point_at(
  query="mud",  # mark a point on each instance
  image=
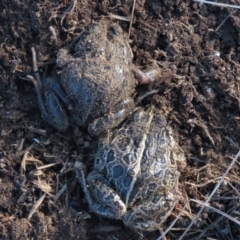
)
(197, 48)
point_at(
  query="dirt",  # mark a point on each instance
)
(197, 46)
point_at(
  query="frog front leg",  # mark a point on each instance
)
(120, 111)
(101, 198)
(117, 114)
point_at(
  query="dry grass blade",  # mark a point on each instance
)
(28, 157)
(217, 4)
(131, 20)
(44, 186)
(54, 35)
(36, 206)
(4, 133)
(206, 183)
(35, 68)
(217, 211)
(22, 197)
(31, 128)
(23, 163)
(60, 192)
(213, 192)
(121, 18)
(232, 142)
(47, 166)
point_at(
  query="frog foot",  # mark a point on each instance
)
(102, 199)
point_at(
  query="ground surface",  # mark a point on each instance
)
(199, 45)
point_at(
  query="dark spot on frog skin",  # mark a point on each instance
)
(117, 171)
(124, 143)
(110, 156)
(127, 181)
(151, 188)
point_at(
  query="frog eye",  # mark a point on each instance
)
(110, 156)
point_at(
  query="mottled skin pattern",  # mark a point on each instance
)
(96, 80)
(136, 172)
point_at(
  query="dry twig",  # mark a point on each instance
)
(217, 4)
(205, 183)
(60, 192)
(36, 206)
(121, 18)
(131, 19)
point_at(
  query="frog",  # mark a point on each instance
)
(95, 81)
(136, 172)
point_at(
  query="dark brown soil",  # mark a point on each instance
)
(198, 45)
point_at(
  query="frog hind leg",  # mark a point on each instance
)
(48, 99)
(56, 102)
(48, 94)
(102, 199)
(151, 213)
